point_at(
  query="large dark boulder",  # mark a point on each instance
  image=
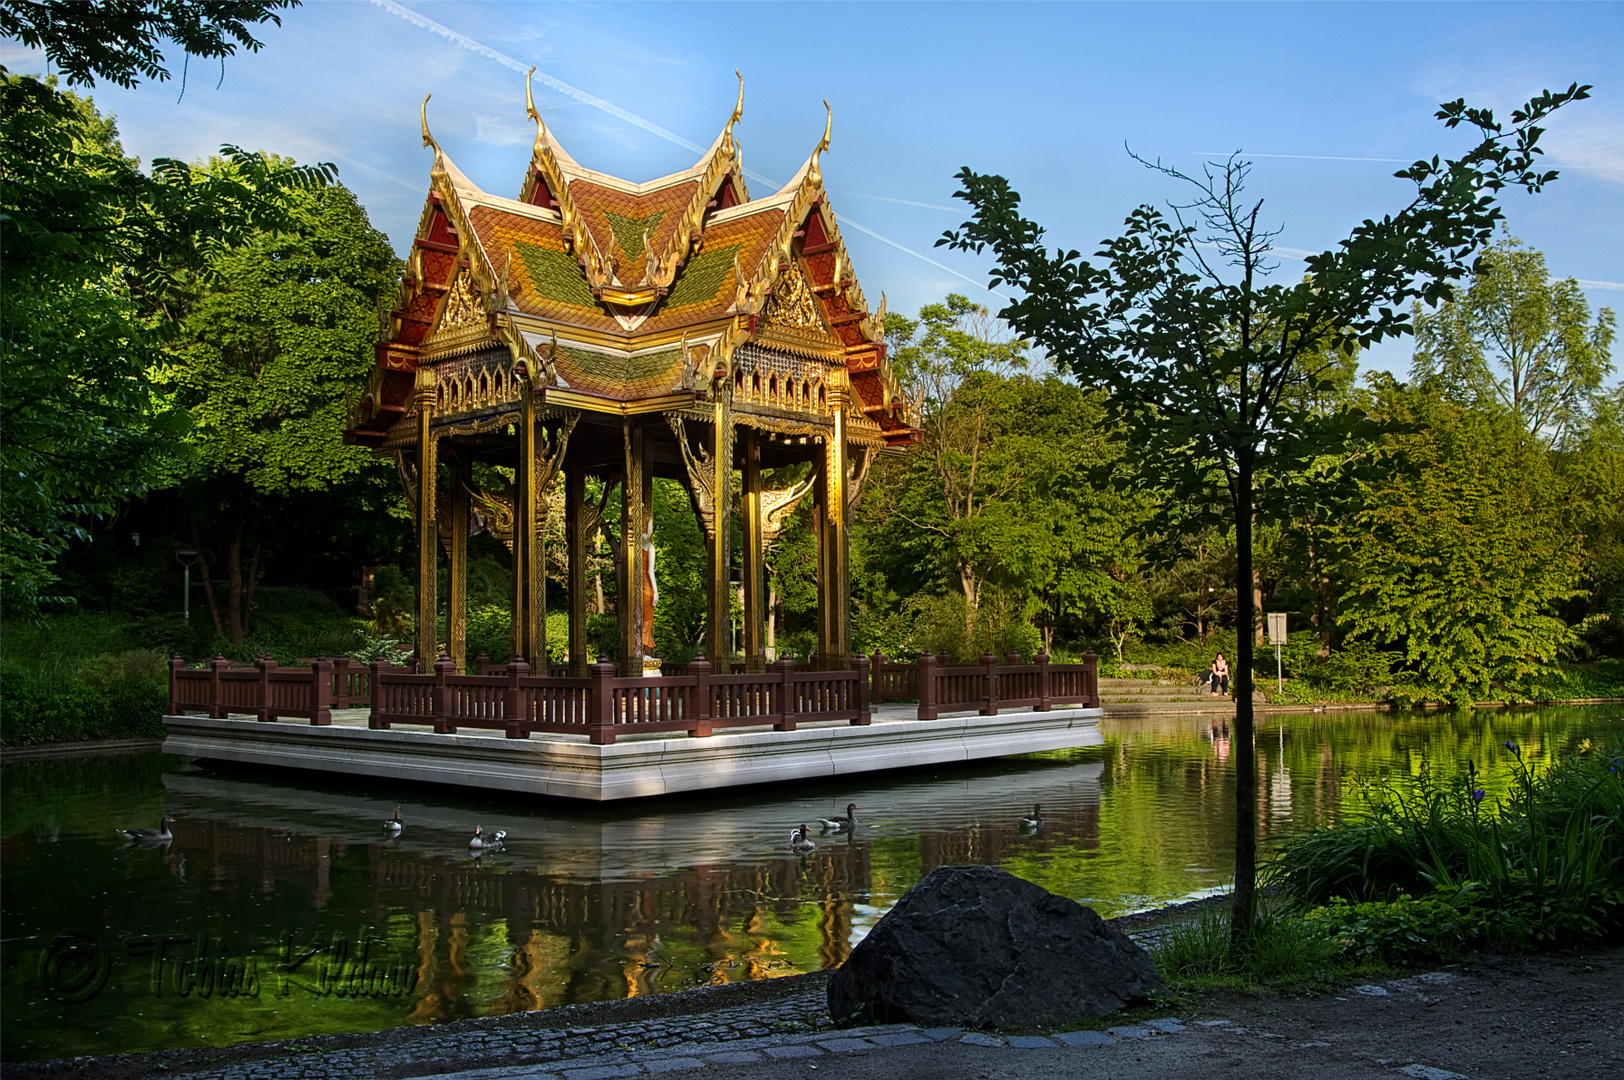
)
(971, 946)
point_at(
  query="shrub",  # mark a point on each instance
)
(1282, 947)
(1404, 931)
(948, 630)
(1546, 862)
(1195, 947)
(49, 703)
(490, 631)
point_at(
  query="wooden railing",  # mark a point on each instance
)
(604, 706)
(990, 686)
(264, 690)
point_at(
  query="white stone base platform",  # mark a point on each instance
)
(634, 766)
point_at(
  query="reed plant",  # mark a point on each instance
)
(1281, 948)
(1546, 861)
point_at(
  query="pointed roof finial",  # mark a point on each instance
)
(529, 101)
(738, 110)
(428, 140)
(828, 126)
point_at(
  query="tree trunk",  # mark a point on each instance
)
(1257, 608)
(1243, 750)
(248, 587)
(234, 577)
(208, 585)
(972, 600)
(1322, 595)
(772, 619)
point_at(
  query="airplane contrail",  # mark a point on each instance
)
(1305, 157)
(507, 61)
(481, 49)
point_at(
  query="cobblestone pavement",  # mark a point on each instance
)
(1492, 1018)
(795, 1029)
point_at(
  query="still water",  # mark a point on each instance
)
(279, 909)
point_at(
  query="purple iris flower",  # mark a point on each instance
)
(1477, 795)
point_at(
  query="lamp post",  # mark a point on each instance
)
(186, 557)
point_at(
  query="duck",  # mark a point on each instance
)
(392, 825)
(799, 841)
(1035, 822)
(840, 824)
(482, 842)
(160, 835)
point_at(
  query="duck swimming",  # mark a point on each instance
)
(482, 842)
(160, 835)
(841, 824)
(1035, 822)
(392, 825)
(799, 841)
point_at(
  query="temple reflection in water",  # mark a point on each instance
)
(585, 908)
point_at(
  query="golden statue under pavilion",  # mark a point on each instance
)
(594, 327)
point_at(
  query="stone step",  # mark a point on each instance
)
(1215, 705)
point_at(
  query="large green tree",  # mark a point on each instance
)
(121, 40)
(1461, 552)
(1517, 340)
(1198, 346)
(955, 360)
(1003, 498)
(93, 251)
(277, 331)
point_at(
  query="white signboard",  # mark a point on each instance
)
(1277, 628)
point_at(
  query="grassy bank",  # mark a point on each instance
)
(1424, 872)
(95, 675)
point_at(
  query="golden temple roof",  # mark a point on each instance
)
(605, 286)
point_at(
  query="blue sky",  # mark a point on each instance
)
(1328, 99)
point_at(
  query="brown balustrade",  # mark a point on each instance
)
(894, 681)
(264, 691)
(990, 686)
(606, 705)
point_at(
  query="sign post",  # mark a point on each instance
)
(1277, 638)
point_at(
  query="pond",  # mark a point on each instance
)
(280, 909)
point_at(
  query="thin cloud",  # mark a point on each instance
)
(1308, 157)
(902, 202)
(844, 220)
(507, 61)
(391, 177)
(1301, 254)
(463, 41)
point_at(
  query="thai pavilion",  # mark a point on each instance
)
(676, 328)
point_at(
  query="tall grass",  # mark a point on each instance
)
(1546, 861)
(1280, 948)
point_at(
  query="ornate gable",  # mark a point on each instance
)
(607, 290)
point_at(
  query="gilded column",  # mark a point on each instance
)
(428, 528)
(456, 611)
(720, 648)
(755, 657)
(526, 571)
(575, 526)
(840, 547)
(820, 536)
(633, 512)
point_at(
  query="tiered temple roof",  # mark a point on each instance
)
(631, 298)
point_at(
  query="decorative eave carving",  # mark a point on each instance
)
(722, 160)
(751, 296)
(544, 161)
